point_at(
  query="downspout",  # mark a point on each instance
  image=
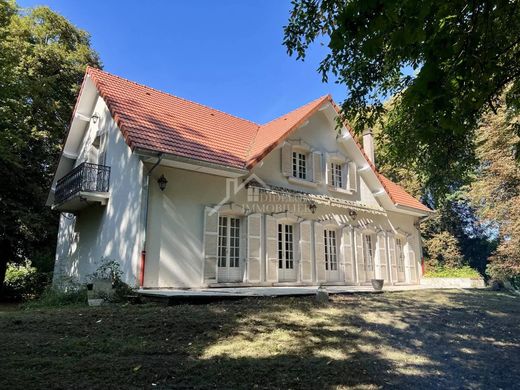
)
(146, 191)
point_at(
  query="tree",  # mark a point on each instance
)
(42, 62)
(496, 190)
(445, 63)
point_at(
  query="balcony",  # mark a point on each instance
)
(86, 184)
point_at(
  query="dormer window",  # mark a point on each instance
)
(299, 161)
(337, 171)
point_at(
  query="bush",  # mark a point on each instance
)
(446, 272)
(53, 297)
(22, 282)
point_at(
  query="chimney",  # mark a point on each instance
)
(368, 145)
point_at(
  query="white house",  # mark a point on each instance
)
(183, 195)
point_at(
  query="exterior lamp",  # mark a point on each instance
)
(162, 182)
(352, 214)
(312, 207)
(95, 118)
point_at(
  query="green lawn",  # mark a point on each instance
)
(422, 339)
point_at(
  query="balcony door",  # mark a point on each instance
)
(331, 255)
(229, 264)
(286, 263)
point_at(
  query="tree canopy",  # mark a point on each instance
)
(446, 63)
(42, 62)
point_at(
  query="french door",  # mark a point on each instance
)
(368, 254)
(400, 260)
(286, 263)
(331, 256)
(229, 269)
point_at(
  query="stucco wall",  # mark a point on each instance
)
(110, 231)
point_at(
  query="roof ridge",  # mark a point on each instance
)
(170, 94)
(297, 108)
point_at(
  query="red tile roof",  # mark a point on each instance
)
(399, 196)
(156, 121)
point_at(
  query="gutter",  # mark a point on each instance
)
(146, 191)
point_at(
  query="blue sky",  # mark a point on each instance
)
(227, 54)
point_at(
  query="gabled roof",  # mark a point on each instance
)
(156, 121)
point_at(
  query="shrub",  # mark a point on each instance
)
(443, 250)
(52, 297)
(23, 281)
(446, 272)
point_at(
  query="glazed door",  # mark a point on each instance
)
(331, 255)
(286, 263)
(229, 269)
(399, 248)
(369, 252)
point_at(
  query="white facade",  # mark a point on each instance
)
(256, 236)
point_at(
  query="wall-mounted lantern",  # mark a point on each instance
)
(352, 214)
(95, 118)
(312, 207)
(162, 182)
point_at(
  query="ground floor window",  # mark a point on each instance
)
(285, 246)
(368, 251)
(331, 252)
(400, 254)
(229, 242)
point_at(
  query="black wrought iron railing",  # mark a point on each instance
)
(86, 177)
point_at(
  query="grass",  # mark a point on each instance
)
(428, 338)
(462, 272)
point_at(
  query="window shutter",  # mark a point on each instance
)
(317, 173)
(360, 261)
(210, 244)
(393, 257)
(346, 252)
(410, 264)
(287, 159)
(381, 267)
(306, 251)
(319, 252)
(328, 172)
(254, 245)
(352, 176)
(271, 231)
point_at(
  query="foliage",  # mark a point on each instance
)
(442, 249)
(42, 62)
(111, 270)
(447, 272)
(53, 297)
(22, 281)
(496, 190)
(445, 63)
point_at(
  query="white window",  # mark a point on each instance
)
(331, 251)
(299, 165)
(229, 242)
(285, 246)
(369, 252)
(336, 170)
(400, 255)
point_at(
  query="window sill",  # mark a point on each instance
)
(302, 182)
(340, 190)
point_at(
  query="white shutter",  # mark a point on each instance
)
(319, 252)
(352, 176)
(381, 267)
(254, 247)
(410, 264)
(328, 170)
(360, 267)
(347, 254)
(210, 244)
(287, 159)
(306, 251)
(317, 172)
(271, 232)
(393, 258)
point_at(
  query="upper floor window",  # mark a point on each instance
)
(299, 165)
(336, 170)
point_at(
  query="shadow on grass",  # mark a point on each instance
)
(406, 340)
